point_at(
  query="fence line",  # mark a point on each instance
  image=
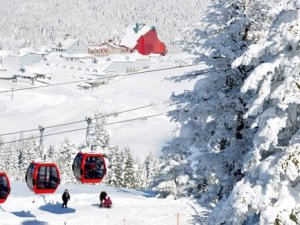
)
(175, 219)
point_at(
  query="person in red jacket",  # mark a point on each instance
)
(107, 202)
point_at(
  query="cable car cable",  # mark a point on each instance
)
(78, 129)
(80, 121)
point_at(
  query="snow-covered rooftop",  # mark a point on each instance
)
(133, 33)
(82, 55)
(105, 45)
(25, 51)
(4, 53)
(66, 43)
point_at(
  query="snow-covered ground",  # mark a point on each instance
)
(67, 103)
(130, 207)
(62, 104)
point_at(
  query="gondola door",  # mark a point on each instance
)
(42, 178)
(4, 187)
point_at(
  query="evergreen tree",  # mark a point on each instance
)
(98, 135)
(140, 175)
(271, 167)
(50, 152)
(11, 162)
(23, 161)
(32, 148)
(237, 145)
(128, 174)
(64, 158)
(151, 169)
(2, 156)
(210, 114)
(115, 169)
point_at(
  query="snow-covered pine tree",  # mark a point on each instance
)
(23, 161)
(175, 173)
(98, 135)
(64, 158)
(50, 152)
(128, 173)
(210, 146)
(12, 161)
(151, 169)
(139, 175)
(269, 192)
(1, 156)
(115, 168)
(32, 148)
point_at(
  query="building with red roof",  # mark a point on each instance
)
(144, 39)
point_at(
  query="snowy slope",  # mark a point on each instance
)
(68, 103)
(129, 207)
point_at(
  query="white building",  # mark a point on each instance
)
(77, 57)
(24, 57)
(11, 61)
(108, 48)
(127, 66)
(4, 54)
(70, 46)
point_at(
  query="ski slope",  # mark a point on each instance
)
(130, 207)
(67, 103)
(61, 104)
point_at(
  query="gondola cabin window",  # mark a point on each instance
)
(77, 166)
(47, 177)
(29, 176)
(4, 187)
(89, 167)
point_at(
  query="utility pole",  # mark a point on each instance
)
(42, 129)
(89, 122)
(12, 93)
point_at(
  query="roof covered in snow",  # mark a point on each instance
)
(133, 33)
(4, 53)
(66, 43)
(79, 55)
(106, 45)
(25, 51)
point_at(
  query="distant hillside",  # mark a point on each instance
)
(39, 22)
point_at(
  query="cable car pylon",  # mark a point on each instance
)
(42, 177)
(89, 166)
(89, 122)
(41, 145)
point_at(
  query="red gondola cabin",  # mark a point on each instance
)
(42, 177)
(89, 167)
(4, 187)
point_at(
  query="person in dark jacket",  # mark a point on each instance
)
(102, 196)
(65, 198)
